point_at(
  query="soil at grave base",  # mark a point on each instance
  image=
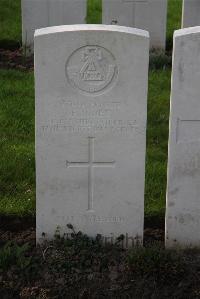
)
(14, 59)
(18, 229)
(22, 230)
(89, 272)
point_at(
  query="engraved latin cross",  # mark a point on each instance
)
(90, 164)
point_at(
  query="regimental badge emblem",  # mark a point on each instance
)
(91, 69)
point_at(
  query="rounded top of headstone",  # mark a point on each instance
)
(186, 31)
(85, 27)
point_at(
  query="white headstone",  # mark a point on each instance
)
(183, 192)
(191, 13)
(45, 13)
(149, 15)
(91, 102)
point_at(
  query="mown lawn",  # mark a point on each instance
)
(157, 141)
(173, 20)
(17, 170)
(17, 175)
(10, 20)
(10, 23)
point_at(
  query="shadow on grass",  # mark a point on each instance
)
(18, 223)
(10, 44)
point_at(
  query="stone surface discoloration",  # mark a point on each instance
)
(183, 191)
(150, 15)
(190, 13)
(91, 133)
(45, 13)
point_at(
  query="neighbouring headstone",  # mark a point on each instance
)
(45, 13)
(91, 102)
(150, 15)
(191, 13)
(183, 191)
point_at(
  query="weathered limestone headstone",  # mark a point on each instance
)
(183, 192)
(45, 13)
(91, 101)
(191, 13)
(150, 15)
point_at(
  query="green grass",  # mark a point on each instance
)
(17, 170)
(17, 176)
(157, 141)
(10, 23)
(94, 12)
(173, 20)
(10, 20)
